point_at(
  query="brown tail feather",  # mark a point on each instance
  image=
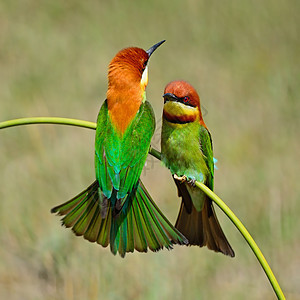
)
(202, 228)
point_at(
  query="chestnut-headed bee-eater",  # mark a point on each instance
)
(186, 149)
(116, 209)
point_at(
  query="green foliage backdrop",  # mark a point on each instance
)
(243, 58)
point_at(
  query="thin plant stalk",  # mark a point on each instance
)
(234, 219)
(242, 229)
(47, 120)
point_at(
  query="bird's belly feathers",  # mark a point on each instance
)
(181, 151)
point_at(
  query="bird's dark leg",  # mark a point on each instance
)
(182, 179)
(192, 182)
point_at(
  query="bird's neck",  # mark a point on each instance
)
(178, 113)
(123, 105)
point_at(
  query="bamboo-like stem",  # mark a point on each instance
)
(238, 224)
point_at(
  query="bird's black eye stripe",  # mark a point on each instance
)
(145, 64)
(185, 100)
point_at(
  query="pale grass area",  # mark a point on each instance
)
(242, 57)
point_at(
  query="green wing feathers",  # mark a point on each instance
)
(119, 159)
(116, 209)
(207, 150)
(140, 225)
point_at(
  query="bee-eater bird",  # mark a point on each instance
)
(186, 149)
(116, 209)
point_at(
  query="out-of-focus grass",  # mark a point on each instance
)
(243, 58)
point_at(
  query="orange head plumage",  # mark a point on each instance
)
(127, 81)
(182, 103)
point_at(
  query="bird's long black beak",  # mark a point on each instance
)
(170, 97)
(154, 47)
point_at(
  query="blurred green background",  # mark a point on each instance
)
(242, 57)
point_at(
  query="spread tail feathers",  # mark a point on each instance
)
(202, 228)
(139, 224)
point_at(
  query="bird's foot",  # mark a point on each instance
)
(182, 179)
(192, 182)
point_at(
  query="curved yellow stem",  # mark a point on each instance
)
(242, 229)
(203, 187)
(47, 120)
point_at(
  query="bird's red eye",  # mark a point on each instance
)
(186, 99)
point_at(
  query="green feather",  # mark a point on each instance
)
(207, 150)
(140, 225)
(187, 150)
(116, 209)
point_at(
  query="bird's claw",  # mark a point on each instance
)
(180, 178)
(192, 182)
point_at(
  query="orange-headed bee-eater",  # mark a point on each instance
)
(186, 149)
(116, 209)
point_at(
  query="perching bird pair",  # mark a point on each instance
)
(116, 209)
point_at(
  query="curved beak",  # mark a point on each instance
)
(170, 97)
(154, 47)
